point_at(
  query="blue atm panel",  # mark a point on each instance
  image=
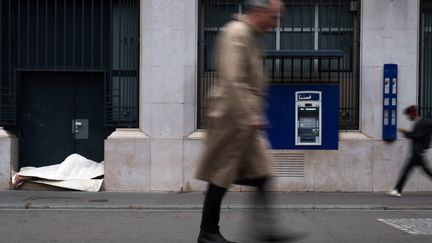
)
(390, 102)
(289, 113)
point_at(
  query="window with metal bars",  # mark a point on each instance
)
(72, 35)
(425, 85)
(305, 25)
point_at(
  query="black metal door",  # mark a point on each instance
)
(62, 113)
(72, 35)
(89, 104)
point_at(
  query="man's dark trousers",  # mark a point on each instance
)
(415, 160)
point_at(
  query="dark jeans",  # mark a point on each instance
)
(213, 200)
(415, 160)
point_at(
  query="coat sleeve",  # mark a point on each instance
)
(234, 67)
(420, 131)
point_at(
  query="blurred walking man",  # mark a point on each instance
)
(236, 149)
(420, 140)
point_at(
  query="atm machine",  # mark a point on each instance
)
(303, 99)
(308, 118)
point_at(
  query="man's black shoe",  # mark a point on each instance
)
(205, 237)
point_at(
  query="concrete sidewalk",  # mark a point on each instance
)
(193, 200)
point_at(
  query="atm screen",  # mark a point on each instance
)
(307, 122)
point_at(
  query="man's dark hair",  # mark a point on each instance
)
(410, 109)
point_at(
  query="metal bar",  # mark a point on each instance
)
(424, 83)
(339, 21)
(328, 23)
(126, 39)
(55, 34)
(301, 31)
(282, 69)
(137, 31)
(301, 69)
(131, 55)
(292, 27)
(310, 68)
(292, 69)
(3, 115)
(120, 64)
(1, 59)
(422, 56)
(133, 52)
(28, 33)
(273, 68)
(425, 75)
(82, 33)
(200, 61)
(91, 34)
(429, 55)
(19, 35)
(9, 46)
(357, 74)
(316, 27)
(338, 69)
(128, 53)
(64, 33)
(346, 86)
(429, 58)
(37, 33)
(46, 34)
(104, 84)
(102, 40)
(278, 34)
(73, 32)
(343, 98)
(109, 85)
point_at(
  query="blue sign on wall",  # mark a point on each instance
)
(282, 116)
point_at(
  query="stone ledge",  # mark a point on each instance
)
(128, 133)
(199, 134)
(353, 136)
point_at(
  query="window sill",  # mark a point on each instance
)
(199, 134)
(128, 133)
(353, 136)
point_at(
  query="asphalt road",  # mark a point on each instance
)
(182, 226)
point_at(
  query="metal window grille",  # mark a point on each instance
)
(303, 66)
(72, 35)
(425, 86)
(305, 25)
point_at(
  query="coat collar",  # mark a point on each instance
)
(244, 19)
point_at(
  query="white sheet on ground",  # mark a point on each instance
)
(74, 166)
(75, 172)
(90, 185)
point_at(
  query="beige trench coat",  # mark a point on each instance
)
(234, 150)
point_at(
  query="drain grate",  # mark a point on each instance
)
(288, 164)
(411, 226)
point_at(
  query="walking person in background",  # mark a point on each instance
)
(420, 139)
(236, 148)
